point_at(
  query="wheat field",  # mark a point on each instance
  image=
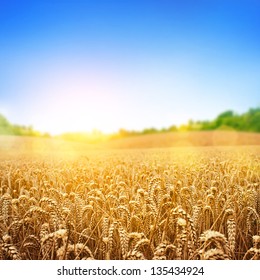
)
(182, 203)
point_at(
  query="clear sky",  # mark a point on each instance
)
(106, 64)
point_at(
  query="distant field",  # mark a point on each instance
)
(180, 139)
(68, 200)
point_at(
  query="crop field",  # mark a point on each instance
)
(192, 203)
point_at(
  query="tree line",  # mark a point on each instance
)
(6, 128)
(228, 120)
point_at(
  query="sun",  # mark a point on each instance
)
(77, 101)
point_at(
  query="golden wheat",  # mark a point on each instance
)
(132, 205)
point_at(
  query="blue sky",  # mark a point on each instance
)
(80, 65)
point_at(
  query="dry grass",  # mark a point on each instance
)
(183, 203)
